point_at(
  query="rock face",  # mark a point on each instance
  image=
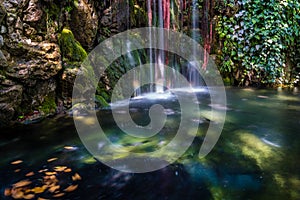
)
(43, 42)
(84, 23)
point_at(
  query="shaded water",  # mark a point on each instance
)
(257, 156)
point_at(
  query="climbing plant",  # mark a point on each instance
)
(259, 39)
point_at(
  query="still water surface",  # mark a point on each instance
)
(256, 157)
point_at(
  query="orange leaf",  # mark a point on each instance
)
(76, 177)
(7, 192)
(71, 188)
(30, 174)
(22, 183)
(68, 170)
(38, 190)
(53, 188)
(59, 195)
(28, 196)
(16, 162)
(60, 168)
(51, 159)
(50, 173)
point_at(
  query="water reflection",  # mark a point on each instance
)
(257, 156)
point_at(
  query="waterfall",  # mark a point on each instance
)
(161, 14)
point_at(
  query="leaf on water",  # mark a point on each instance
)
(17, 194)
(70, 148)
(76, 177)
(51, 159)
(54, 188)
(39, 190)
(43, 170)
(22, 183)
(7, 192)
(29, 196)
(68, 170)
(29, 174)
(40, 198)
(50, 173)
(71, 188)
(59, 195)
(17, 170)
(60, 168)
(16, 162)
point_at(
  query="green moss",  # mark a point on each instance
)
(71, 49)
(49, 105)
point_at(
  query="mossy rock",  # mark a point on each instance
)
(71, 49)
(48, 106)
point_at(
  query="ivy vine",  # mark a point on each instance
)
(259, 40)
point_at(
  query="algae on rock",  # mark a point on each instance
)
(71, 49)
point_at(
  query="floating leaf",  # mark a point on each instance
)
(50, 173)
(40, 198)
(29, 174)
(28, 196)
(39, 190)
(68, 170)
(60, 168)
(7, 192)
(17, 194)
(71, 188)
(59, 195)
(51, 159)
(54, 188)
(22, 183)
(16, 162)
(43, 170)
(70, 148)
(76, 177)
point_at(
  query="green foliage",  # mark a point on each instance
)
(258, 38)
(71, 49)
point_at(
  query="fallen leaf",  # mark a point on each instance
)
(59, 195)
(68, 170)
(43, 170)
(38, 190)
(50, 173)
(30, 174)
(51, 159)
(16, 162)
(17, 194)
(7, 192)
(71, 188)
(40, 198)
(53, 188)
(60, 168)
(76, 177)
(28, 196)
(70, 148)
(22, 183)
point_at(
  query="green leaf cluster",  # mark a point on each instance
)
(258, 39)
